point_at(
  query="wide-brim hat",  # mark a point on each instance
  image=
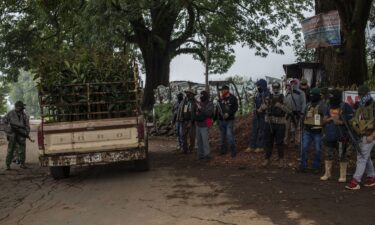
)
(190, 91)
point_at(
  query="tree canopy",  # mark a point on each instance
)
(156, 30)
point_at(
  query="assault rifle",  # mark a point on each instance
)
(21, 131)
(354, 140)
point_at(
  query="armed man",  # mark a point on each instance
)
(336, 133)
(256, 137)
(364, 126)
(312, 130)
(296, 100)
(228, 106)
(17, 130)
(186, 117)
(175, 108)
(276, 111)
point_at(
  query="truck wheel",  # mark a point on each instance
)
(59, 172)
(142, 165)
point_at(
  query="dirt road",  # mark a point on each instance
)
(178, 190)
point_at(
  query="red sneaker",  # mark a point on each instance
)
(353, 185)
(370, 181)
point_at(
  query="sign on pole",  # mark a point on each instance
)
(322, 30)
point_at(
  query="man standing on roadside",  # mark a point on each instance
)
(17, 130)
(187, 117)
(203, 119)
(363, 124)
(175, 108)
(228, 107)
(257, 130)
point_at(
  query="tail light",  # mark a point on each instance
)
(40, 138)
(141, 131)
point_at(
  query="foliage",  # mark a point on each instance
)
(302, 54)
(4, 90)
(25, 90)
(163, 113)
(159, 29)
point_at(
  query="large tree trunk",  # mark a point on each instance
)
(347, 64)
(157, 64)
(329, 56)
(355, 62)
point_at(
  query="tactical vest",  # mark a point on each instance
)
(186, 112)
(313, 117)
(363, 120)
(272, 100)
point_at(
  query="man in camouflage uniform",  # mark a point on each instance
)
(17, 130)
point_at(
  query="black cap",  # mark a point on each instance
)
(363, 89)
(225, 87)
(19, 104)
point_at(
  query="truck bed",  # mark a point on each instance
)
(90, 136)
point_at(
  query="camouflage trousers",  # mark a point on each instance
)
(188, 134)
(15, 147)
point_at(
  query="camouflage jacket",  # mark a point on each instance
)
(18, 119)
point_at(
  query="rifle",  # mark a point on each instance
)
(21, 131)
(218, 107)
(354, 140)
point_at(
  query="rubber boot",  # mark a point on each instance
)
(328, 169)
(343, 167)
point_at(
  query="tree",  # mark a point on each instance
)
(159, 29)
(25, 90)
(4, 90)
(347, 64)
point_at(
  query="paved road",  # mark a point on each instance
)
(115, 195)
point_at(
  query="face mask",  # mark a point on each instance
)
(203, 98)
(276, 91)
(335, 102)
(260, 90)
(180, 98)
(315, 98)
(365, 99)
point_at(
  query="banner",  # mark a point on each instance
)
(322, 30)
(351, 97)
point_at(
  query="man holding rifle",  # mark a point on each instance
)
(17, 130)
(364, 126)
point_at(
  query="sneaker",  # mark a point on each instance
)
(266, 162)
(22, 166)
(353, 185)
(249, 149)
(281, 163)
(301, 170)
(257, 150)
(370, 181)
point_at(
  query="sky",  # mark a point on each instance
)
(184, 67)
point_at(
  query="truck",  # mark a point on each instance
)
(92, 123)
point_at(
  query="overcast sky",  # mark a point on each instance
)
(247, 64)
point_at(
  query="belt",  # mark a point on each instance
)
(275, 120)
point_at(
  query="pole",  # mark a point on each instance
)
(206, 65)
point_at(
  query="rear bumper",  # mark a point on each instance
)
(93, 158)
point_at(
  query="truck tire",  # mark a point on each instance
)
(143, 164)
(59, 172)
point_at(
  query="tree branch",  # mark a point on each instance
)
(195, 51)
(188, 31)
